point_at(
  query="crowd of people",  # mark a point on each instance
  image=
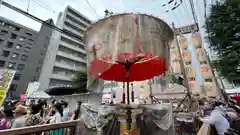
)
(18, 114)
(220, 115)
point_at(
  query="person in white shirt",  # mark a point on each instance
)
(65, 111)
(57, 117)
(218, 119)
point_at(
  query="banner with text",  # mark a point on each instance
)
(32, 88)
(6, 77)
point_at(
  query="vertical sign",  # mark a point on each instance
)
(6, 77)
(32, 88)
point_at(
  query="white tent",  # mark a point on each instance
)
(39, 94)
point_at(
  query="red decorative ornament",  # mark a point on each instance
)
(123, 94)
(132, 93)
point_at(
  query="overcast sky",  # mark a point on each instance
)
(45, 9)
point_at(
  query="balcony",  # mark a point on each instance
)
(75, 24)
(72, 47)
(75, 17)
(77, 41)
(2, 34)
(63, 77)
(73, 31)
(67, 66)
(70, 56)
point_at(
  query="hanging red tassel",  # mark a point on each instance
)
(132, 93)
(123, 94)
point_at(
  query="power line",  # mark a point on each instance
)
(65, 32)
(92, 8)
(44, 6)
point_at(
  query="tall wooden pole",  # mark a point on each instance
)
(185, 79)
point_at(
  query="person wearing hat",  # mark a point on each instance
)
(20, 116)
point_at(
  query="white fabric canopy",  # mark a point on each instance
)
(39, 94)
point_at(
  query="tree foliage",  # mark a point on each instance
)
(223, 28)
(80, 81)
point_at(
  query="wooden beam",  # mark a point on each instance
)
(205, 129)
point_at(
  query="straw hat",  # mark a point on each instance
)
(20, 109)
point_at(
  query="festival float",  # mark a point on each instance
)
(127, 48)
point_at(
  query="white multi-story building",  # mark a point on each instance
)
(65, 55)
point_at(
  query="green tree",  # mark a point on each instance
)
(223, 28)
(80, 81)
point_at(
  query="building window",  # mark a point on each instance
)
(20, 67)
(13, 87)
(9, 45)
(17, 77)
(192, 79)
(11, 65)
(17, 28)
(45, 45)
(42, 52)
(4, 32)
(24, 58)
(29, 44)
(46, 37)
(208, 80)
(30, 39)
(188, 63)
(18, 47)
(27, 49)
(37, 69)
(29, 34)
(176, 60)
(203, 62)
(33, 79)
(5, 53)
(1, 41)
(1, 23)
(15, 55)
(2, 63)
(22, 38)
(13, 36)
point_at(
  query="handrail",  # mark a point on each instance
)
(205, 129)
(39, 128)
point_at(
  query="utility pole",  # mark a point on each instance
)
(185, 79)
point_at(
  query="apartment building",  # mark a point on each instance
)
(22, 49)
(66, 54)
